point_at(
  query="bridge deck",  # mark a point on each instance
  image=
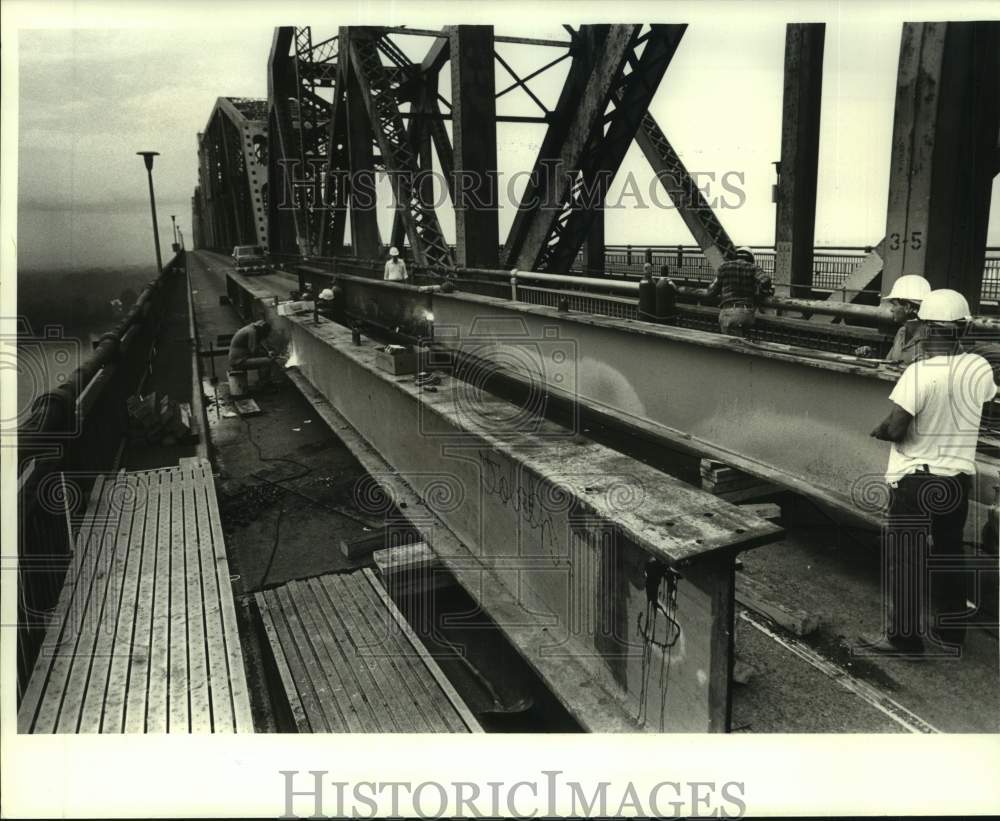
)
(348, 661)
(144, 636)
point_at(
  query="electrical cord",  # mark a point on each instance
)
(304, 471)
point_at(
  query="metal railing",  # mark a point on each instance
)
(70, 435)
(831, 265)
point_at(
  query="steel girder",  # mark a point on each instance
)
(630, 97)
(299, 117)
(710, 394)
(685, 193)
(380, 90)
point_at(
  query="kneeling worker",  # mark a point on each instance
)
(740, 284)
(246, 351)
(937, 408)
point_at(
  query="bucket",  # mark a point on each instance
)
(237, 382)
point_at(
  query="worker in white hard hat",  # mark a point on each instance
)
(740, 284)
(903, 301)
(933, 431)
(395, 268)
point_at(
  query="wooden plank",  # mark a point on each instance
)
(760, 597)
(405, 559)
(354, 706)
(284, 673)
(93, 646)
(72, 585)
(134, 718)
(419, 694)
(178, 720)
(353, 644)
(106, 690)
(237, 674)
(380, 540)
(415, 681)
(424, 689)
(288, 627)
(358, 678)
(459, 705)
(374, 644)
(157, 710)
(321, 662)
(223, 720)
(200, 699)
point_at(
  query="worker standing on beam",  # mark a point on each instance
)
(740, 285)
(904, 301)
(934, 430)
(395, 268)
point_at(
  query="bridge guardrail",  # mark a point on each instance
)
(72, 433)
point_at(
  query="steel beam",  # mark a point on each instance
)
(714, 395)
(684, 192)
(365, 238)
(795, 223)
(378, 90)
(550, 534)
(944, 133)
(536, 191)
(606, 149)
(473, 84)
(285, 225)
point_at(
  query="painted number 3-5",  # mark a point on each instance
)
(915, 243)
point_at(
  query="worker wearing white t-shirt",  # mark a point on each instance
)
(395, 268)
(934, 429)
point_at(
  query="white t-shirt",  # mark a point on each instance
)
(945, 396)
(395, 269)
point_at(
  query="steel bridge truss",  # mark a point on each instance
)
(232, 173)
(345, 109)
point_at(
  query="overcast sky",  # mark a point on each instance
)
(90, 98)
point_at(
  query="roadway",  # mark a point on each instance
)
(796, 684)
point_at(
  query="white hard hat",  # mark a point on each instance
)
(944, 305)
(744, 250)
(911, 287)
(326, 293)
(394, 251)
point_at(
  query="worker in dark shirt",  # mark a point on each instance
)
(740, 284)
(666, 297)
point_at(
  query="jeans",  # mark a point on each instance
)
(926, 517)
(736, 319)
(244, 362)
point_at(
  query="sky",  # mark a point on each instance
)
(89, 98)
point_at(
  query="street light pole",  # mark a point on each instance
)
(147, 157)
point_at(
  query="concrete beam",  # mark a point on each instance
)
(800, 122)
(944, 136)
(473, 84)
(549, 532)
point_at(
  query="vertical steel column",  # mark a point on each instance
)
(360, 140)
(473, 84)
(943, 149)
(795, 223)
